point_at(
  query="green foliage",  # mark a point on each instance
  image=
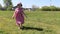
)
(50, 8)
(0, 6)
(57, 9)
(53, 8)
(9, 8)
(45, 8)
(8, 4)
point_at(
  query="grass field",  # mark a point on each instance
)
(49, 21)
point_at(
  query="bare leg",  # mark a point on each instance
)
(19, 25)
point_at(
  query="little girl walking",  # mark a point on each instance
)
(19, 15)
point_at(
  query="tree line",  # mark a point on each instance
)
(8, 6)
(50, 8)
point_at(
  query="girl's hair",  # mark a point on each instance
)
(20, 4)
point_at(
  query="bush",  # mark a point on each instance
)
(45, 8)
(57, 9)
(50, 8)
(9, 7)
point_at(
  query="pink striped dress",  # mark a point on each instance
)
(19, 16)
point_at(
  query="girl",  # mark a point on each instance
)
(19, 15)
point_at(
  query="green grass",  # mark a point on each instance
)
(49, 21)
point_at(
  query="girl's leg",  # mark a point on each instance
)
(20, 25)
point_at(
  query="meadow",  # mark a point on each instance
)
(37, 22)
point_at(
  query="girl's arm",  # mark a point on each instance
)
(24, 14)
(13, 15)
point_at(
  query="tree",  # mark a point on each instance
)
(45, 8)
(8, 4)
(50, 8)
(0, 6)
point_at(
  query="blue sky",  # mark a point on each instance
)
(29, 3)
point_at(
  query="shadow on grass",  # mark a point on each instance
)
(32, 28)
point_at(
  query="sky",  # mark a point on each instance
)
(29, 3)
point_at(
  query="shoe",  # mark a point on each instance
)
(22, 27)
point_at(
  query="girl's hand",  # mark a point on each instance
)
(26, 16)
